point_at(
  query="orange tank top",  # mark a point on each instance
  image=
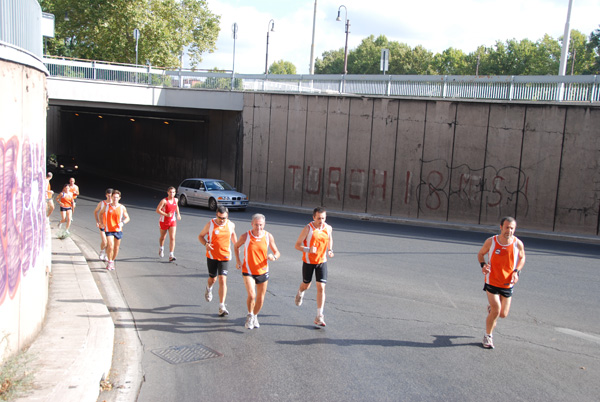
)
(220, 238)
(318, 238)
(66, 200)
(113, 216)
(503, 260)
(255, 254)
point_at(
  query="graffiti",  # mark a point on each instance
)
(433, 191)
(505, 185)
(22, 211)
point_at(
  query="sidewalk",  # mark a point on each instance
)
(73, 352)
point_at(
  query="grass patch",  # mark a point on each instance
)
(15, 377)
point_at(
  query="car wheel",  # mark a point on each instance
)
(212, 204)
(183, 201)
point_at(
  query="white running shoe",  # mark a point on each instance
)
(208, 294)
(110, 266)
(319, 321)
(161, 252)
(488, 342)
(256, 324)
(172, 258)
(299, 298)
(223, 311)
(249, 321)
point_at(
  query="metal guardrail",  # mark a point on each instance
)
(578, 88)
(21, 25)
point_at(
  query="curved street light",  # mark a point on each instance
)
(347, 32)
(270, 28)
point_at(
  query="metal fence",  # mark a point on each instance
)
(579, 88)
(21, 25)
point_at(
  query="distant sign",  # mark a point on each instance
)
(136, 34)
(385, 60)
(48, 25)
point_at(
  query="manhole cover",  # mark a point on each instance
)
(186, 354)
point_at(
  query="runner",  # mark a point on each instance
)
(74, 189)
(112, 220)
(49, 194)
(97, 213)
(65, 201)
(255, 266)
(168, 209)
(316, 243)
(506, 258)
(217, 236)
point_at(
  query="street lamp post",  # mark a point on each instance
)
(270, 28)
(312, 46)
(234, 30)
(136, 36)
(347, 32)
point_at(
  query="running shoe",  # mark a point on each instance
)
(208, 294)
(250, 321)
(172, 258)
(110, 266)
(319, 321)
(256, 324)
(102, 256)
(299, 297)
(488, 342)
(223, 311)
(161, 252)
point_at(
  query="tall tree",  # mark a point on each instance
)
(282, 67)
(103, 30)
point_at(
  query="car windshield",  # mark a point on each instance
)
(65, 160)
(217, 186)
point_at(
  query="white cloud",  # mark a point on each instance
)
(434, 24)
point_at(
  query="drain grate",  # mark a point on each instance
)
(186, 354)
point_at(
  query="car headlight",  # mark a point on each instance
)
(62, 166)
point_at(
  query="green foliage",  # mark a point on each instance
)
(511, 57)
(103, 30)
(282, 67)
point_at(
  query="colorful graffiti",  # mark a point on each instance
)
(22, 211)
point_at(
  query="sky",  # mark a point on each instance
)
(434, 24)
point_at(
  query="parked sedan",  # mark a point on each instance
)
(210, 193)
(62, 164)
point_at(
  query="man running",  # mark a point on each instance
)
(316, 243)
(255, 266)
(168, 209)
(49, 194)
(112, 220)
(74, 189)
(506, 257)
(65, 201)
(97, 213)
(217, 236)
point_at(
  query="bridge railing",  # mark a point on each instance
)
(578, 88)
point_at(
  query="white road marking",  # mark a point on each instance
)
(578, 334)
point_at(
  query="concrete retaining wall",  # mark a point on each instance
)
(24, 238)
(470, 162)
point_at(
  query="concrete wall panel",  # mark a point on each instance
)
(383, 152)
(335, 153)
(503, 174)
(215, 143)
(277, 148)
(260, 147)
(542, 148)
(409, 152)
(357, 164)
(247, 133)
(578, 199)
(316, 129)
(468, 162)
(230, 147)
(294, 153)
(437, 156)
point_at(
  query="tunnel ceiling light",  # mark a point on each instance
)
(166, 122)
(100, 117)
(77, 114)
(132, 119)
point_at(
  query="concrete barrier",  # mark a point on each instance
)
(470, 162)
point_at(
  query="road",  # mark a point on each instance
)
(405, 315)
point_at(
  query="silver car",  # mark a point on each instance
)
(210, 193)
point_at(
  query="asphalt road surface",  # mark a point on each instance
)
(405, 314)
